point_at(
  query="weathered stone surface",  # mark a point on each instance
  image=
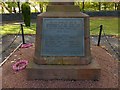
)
(64, 72)
(61, 3)
(53, 65)
(62, 60)
(62, 8)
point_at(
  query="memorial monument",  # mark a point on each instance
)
(62, 46)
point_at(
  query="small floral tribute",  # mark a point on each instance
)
(20, 65)
(27, 45)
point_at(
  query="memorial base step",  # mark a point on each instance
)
(63, 72)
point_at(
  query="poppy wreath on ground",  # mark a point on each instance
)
(20, 65)
(26, 45)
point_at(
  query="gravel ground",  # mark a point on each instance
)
(109, 67)
(108, 79)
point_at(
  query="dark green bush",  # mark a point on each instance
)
(26, 13)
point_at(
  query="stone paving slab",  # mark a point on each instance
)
(7, 40)
(108, 79)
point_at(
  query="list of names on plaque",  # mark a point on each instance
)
(62, 37)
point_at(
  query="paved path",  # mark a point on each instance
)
(7, 47)
(0, 78)
(6, 41)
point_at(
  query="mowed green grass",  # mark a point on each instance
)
(15, 28)
(110, 26)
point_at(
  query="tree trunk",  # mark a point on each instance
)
(83, 5)
(19, 6)
(14, 10)
(2, 10)
(41, 8)
(118, 7)
(99, 6)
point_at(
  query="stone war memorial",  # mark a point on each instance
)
(62, 46)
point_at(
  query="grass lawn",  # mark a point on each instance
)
(14, 29)
(110, 25)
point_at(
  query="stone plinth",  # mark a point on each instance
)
(62, 46)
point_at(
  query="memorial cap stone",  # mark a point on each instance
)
(61, 3)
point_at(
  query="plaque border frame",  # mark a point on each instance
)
(57, 19)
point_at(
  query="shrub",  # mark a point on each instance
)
(26, 13)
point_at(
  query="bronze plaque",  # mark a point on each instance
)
(62, 37)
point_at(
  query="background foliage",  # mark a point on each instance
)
(15, 7)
